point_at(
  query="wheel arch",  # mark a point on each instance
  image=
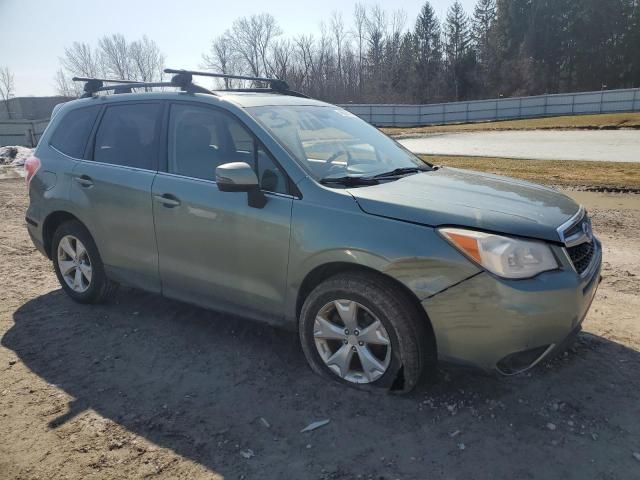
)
(323, 272)
(51, 224)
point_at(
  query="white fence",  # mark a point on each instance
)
(22, 132)
(609, 101)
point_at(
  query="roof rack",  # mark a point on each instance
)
(275, 84)
(183, 79)
(94, 85)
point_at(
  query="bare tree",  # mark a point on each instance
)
(376, 35)
(250, 37)
(115, 56)
(146, 60)
(7, 87)
(339, 34)
(360, 21)
(65, 86)
(221, 58)
(80, 59)
(304, 48)
(281, 55)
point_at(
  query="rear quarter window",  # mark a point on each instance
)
(72, 132)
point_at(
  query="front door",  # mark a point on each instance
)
(214, 249)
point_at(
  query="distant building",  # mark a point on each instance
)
(30, 108)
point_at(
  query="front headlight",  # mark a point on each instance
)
(504, 256)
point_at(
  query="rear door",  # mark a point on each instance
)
(113, 191)
(216, 250)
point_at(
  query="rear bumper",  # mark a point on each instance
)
(511, 326)
(34, 229)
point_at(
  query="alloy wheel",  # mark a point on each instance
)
(352, 341)
(74, 264)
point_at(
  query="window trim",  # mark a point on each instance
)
(88, 150)
(89, 136)
(91, 145)
(290, 192)
(213, 182)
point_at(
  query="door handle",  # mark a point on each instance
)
(167, 200)
(84, 181)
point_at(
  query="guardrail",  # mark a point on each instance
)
(608, 101)
(22, 132)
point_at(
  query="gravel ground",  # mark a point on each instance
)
(151, 388)
(609, 145)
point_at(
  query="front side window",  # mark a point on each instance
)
(332, 142)
(271, 177)
(201, 139)
(128, 136)
(72, 133)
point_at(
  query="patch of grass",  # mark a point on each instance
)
(604, 121)
(551, 172)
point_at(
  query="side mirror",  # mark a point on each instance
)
(240, 177)
(236, 177)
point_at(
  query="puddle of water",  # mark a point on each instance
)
(616, 201)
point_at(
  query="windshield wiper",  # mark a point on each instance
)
(349, 181)
(401, 171)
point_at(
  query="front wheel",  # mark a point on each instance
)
(363, 331)
(78, 265)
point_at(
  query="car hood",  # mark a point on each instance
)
(450, 196)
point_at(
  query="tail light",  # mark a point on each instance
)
(31, 167)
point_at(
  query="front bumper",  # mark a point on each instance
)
(487, 322)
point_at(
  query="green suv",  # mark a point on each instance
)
(276, 207)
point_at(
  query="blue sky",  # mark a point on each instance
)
(35, 32)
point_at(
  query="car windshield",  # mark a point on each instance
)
(333, 143)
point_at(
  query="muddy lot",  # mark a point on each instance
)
(151, 388)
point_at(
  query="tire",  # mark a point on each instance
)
(95, 288)
(409, 335)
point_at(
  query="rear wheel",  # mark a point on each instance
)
(78, 265)
(363, 331)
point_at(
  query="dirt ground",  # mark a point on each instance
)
(151, 388)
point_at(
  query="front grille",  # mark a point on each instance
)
(577, 228)
(581, 256)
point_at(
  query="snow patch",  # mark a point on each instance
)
(14, 155)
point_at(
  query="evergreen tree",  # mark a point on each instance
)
(458, 52)
(484, 16)
(632, 47)
(406, 72)
(428, 55)
(511, 26)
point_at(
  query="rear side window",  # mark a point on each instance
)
(72, 133)
(128, 136)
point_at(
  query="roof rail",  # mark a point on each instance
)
(182, 79)
(94, 85)
(275, 84)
